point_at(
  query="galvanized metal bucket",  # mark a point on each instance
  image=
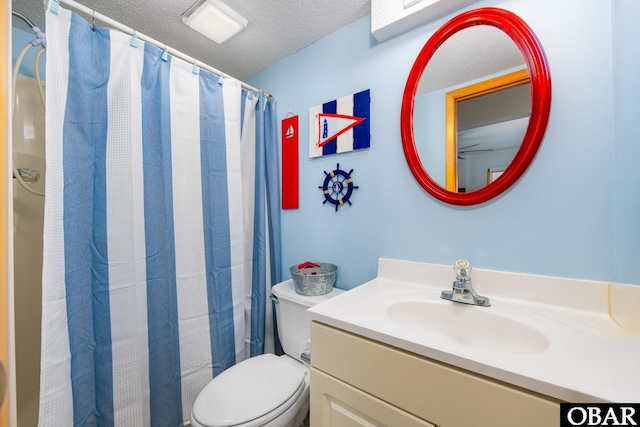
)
(316, 284)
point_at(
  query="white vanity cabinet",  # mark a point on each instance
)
(356, 381)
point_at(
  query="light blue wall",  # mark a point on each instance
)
(557, 220)
(626, 62)
(430, 144)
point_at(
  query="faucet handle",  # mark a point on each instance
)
(462, 269)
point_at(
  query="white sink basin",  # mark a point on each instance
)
(554, 336)
(468, 325)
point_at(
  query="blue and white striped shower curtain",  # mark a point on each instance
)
(161, 236)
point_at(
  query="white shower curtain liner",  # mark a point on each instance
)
(161, 240)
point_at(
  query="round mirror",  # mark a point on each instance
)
(475, 106)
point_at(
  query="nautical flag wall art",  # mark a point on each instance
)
(290, 162)
(340, 125)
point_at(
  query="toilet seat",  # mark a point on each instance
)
(249, 394)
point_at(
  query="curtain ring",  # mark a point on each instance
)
(93, 20)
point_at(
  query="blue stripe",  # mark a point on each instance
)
(162, 302)
(259, 268)
(361, 131)
(85, 225)
(330, 147)
(258, 272)
(266, 180)
(215, 212)
(273, 203)
(273, 189)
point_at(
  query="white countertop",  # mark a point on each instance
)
(589, 358)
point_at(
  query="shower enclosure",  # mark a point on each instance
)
(28, 211)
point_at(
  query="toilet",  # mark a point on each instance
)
(266, 390)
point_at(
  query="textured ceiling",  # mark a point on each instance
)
(276, 30)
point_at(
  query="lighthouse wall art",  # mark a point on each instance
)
(340, 125)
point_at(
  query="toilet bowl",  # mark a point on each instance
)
(266, 390)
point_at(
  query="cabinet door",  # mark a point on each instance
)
(337, 404)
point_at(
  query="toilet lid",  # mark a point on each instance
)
(247, 391)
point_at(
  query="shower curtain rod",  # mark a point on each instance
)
(117, 25)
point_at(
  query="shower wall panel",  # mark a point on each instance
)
(28, 214)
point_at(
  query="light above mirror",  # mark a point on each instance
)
(484, 63)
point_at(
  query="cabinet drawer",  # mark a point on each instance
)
(337, 404)
(434, 391)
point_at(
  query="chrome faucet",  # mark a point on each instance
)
(462, 289)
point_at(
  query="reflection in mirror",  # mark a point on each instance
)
(486, 123)
(472, 108)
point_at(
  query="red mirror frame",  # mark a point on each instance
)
(540, 77)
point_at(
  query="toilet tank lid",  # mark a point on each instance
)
(246, 391)
(286, 290)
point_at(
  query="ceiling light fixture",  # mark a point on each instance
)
(214, 19)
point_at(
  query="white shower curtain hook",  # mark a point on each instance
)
(134, 40)
(55, 6)
(165, 54)
(195, 69)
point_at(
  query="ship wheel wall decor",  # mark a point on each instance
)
(337, 187)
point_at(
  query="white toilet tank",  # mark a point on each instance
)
(292, 317)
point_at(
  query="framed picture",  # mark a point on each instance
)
(341, 125)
